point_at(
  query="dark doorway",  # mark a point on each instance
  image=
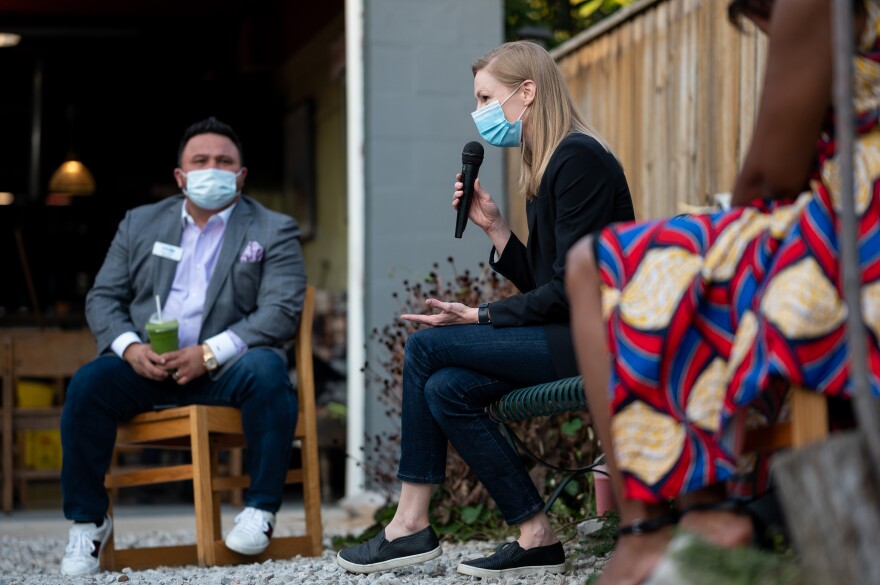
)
(117, 83)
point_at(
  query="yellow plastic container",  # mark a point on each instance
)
(42, 449)
(34, 394)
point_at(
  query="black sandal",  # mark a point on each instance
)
(761, 537)
(640, 527)
(729, 505)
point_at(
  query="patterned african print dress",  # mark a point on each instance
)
(708, 314)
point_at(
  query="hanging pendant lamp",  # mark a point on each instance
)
(72, 177)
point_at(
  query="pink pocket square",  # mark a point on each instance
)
(253, 252)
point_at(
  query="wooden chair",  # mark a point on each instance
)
(808, 423)
(205, 430)
(42, 354)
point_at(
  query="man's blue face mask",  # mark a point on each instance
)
(494, 127)
(211, 188)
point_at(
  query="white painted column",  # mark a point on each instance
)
(354, 72)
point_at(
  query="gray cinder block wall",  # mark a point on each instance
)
(418, 100)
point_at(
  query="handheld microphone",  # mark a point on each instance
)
(471, 159)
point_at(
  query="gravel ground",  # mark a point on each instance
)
(35, 561)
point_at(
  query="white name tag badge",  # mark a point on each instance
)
(164, 250)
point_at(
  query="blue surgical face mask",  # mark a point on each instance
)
(211, 188)
(494, 127)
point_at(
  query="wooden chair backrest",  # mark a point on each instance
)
(305, 366)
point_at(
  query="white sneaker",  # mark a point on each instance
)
(252, 531)
(83, 553)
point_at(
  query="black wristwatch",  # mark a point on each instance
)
(483, 314)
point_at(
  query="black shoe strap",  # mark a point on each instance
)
(640, 527)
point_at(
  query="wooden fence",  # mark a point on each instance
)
(673, 87)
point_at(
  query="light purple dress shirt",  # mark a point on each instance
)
(186, 301)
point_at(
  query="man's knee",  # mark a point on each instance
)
(90, 380)
(266, 368)
(266, 392)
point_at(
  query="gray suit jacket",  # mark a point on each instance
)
(259, 301)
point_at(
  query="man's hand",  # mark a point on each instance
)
(450, 314)
(145, 362)
(188, 363)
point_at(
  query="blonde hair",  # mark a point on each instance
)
(552, 115)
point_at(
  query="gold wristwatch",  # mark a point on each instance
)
(210, 359)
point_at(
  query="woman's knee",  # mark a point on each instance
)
(435, 389)
(417, 345)
(446, 387)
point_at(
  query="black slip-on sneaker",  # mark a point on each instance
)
(377, 554)
(511, 560)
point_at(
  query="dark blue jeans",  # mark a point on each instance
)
(450, 374)
(107, 390)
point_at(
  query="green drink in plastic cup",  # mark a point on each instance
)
(163, 334)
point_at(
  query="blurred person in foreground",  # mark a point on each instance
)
(691, 330)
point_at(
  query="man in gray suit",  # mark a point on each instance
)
(231, 272)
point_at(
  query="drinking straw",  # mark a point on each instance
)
(159, 308)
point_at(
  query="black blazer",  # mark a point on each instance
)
(583, 190)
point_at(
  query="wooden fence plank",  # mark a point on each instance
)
(674, 89)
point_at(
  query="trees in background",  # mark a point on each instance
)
(552, 22)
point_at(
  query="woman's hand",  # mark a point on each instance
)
(484, 213)
(450, 314)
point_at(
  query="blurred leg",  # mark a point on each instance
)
(635, 555)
